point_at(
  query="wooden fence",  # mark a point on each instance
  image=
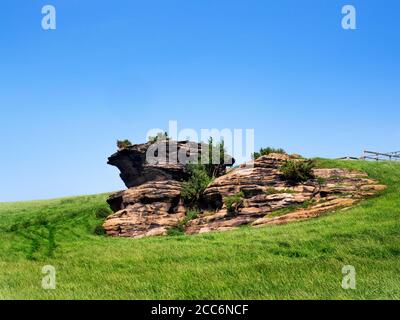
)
(378, 156)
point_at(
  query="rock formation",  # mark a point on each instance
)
(146, 210)
(152, 204)
(267, 195)
(153, 173)
(159, 161)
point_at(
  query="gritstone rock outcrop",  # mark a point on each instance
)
(152, 204)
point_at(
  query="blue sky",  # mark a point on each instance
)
(115, 69)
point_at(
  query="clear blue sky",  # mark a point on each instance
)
(115, 69)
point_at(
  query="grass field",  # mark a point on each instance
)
(301, 260)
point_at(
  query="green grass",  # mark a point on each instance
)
(301, 260)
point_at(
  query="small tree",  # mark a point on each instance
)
(197, 183)
(216, 157)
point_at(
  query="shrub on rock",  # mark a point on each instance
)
(266, 151)
(217, 158)
(234, 203)
(122, 144)
(297, 171)
(197, 183)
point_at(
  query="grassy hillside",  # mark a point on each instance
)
(296, 261)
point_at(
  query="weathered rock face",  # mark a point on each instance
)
(152, 203)
(266, 194)
(154, 173)
(254, 181)
(146, 210)
(159, 161)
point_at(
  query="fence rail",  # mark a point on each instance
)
(372, 155)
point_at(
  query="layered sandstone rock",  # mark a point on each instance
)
(267, 194)
(153, 173)
(159, 161)
(146, 210)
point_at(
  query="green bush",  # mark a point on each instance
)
(176, 231)
(234, 203)
(194, 187)
(122, 144)
(297, 171)
(190, 215)
(266, 151)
